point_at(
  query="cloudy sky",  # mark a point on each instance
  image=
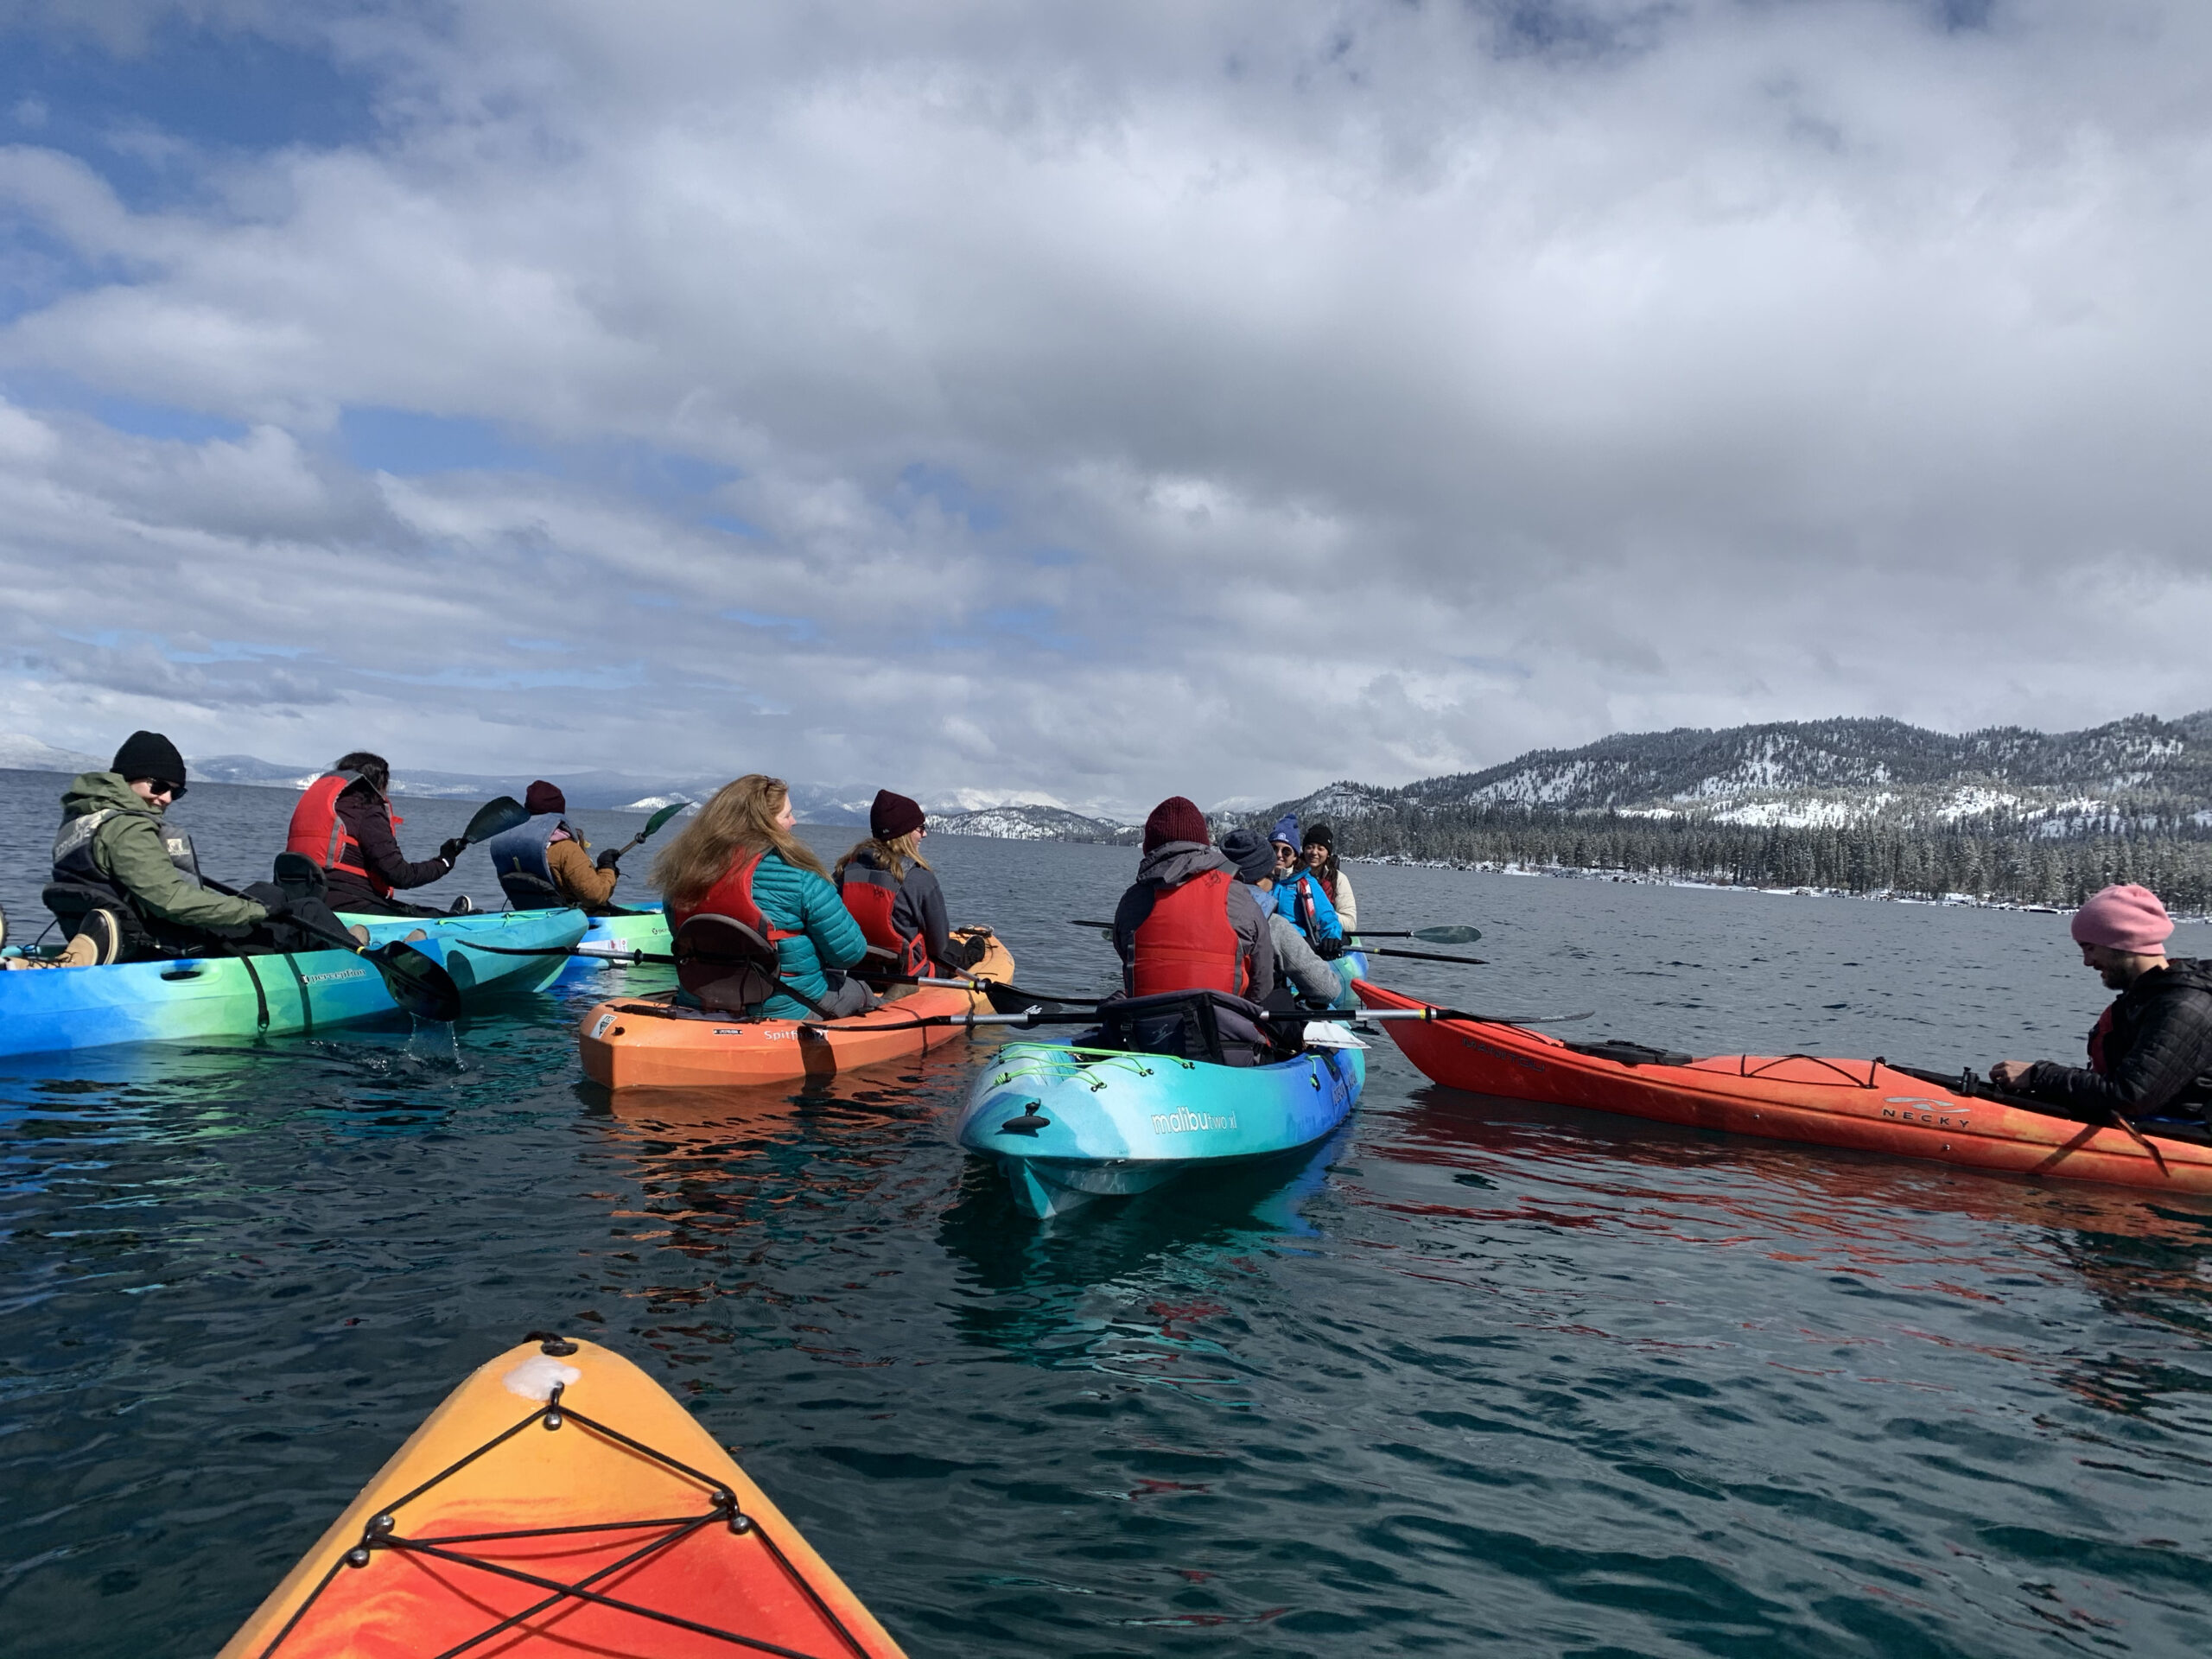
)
(1094, 402)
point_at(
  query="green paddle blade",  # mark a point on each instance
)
(495, 818)
(1447, 935)
(418, 982)
(661, 818)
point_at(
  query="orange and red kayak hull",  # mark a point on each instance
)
(1861, 1104)
(633, 1529)
(632, 1043)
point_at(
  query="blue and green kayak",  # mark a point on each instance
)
(1067, 1125)
(57, 1009)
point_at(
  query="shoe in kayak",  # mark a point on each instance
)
(196, 998)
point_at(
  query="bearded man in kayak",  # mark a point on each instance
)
(344, 823)
(1188, 924)
(543, 862)
(1316, 980)
(737, 857)
(126, 882)
(2150, 1053)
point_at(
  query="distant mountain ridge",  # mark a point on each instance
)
(1814, 773)
(1032, 823)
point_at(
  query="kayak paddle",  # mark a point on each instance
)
(1106, 931)
(651, 824)
(417, 981)
(1426, 935)
(495, 818)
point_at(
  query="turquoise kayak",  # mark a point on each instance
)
(57, 1009)
(1067, 1125)
(616, 935)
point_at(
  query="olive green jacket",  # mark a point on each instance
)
(129, 848)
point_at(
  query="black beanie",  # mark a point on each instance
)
(1317, 834)
(892, 816)
(149, 754)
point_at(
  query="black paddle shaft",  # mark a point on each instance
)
(418, 982)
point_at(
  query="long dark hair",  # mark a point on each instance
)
(1331, 872)
(375, 770)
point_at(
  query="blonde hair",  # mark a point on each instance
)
(741, 818)
(892, 856)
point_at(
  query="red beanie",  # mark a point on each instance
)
(892, 816)
(542, 797)
(2128, 918)
(1175, 819)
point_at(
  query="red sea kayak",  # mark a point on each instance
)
(1864, 1104)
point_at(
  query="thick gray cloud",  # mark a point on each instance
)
(1104, 401)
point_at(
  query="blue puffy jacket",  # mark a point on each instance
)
(1306, 903)
(825, 934)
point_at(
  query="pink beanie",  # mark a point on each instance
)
(2128, 918)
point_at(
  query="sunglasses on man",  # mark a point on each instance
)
(163, 786)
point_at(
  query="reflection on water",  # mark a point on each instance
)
(1474, 1375)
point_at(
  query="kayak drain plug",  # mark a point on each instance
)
(1028, 1123)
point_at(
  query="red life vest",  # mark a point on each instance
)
(320, 834)
(2103, 1029)
(1188, 943)
(731, 896)
(870, 894)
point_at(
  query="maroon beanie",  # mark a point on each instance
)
(1175, 819)
(892, 816)
(2128, 918)
(542, 797)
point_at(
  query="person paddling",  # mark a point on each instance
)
(737, 857)
(1319, 849)
(544, 862)
(126, 882)
(1316, 980)
(345, 824)
(1187, 924)
(893, 894)
(2151, 1052)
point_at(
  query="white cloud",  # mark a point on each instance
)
(1217, 398)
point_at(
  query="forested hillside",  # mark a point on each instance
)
(1863, 806)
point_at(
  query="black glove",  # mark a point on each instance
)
(608, 860)
(1329, 949)
(451, 850)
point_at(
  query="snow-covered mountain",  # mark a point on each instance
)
(1834, 772)
(22, 753)
(1030, 823)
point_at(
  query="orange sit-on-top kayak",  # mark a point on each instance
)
(1866, 1104)
(648, 1042)
(560, 1503)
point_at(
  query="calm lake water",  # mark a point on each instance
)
(1478, 1373)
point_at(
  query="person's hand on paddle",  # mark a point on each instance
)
(452, 849)
(2010, 1074)
(608, 860)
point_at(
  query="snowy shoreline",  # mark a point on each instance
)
(1635, 878)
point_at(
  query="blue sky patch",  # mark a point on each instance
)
(409, 445)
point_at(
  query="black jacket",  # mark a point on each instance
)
(368, 820)
(2151, 1054)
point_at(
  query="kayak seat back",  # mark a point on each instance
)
(1210, 1026)
(723, 964)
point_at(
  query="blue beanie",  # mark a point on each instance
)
(1285, 828)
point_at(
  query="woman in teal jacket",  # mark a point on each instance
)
(741, 846)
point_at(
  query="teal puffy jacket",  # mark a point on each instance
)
(825, 934)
